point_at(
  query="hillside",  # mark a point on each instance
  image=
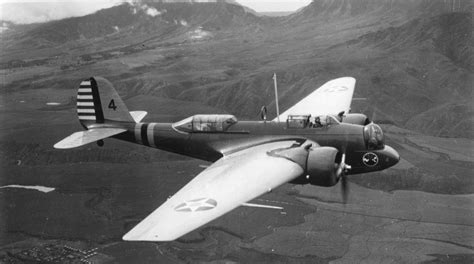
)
(412, 59)
(335, 9)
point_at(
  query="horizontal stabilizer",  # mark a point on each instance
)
(138, 115)
(85, 137)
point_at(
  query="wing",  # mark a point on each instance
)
(225, 185)
(81, 138)
(330, 99)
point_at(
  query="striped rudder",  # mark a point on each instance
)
(98, 102)
(88, 102)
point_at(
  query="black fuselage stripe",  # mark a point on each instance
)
(86, 100)
(85, 107)
(97, 105)
(144, 135)
(84, 86)
(86, 114)
(84, 93)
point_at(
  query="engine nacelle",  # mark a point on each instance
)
(356, 119)
(320, 164)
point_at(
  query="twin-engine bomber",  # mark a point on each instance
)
(319, 142)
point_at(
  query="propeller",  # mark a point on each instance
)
(341, 174)
(374, 114)
(343, 167)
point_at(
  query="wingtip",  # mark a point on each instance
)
(345, 78)
(127, 237)
(134, 238)
(60, 145)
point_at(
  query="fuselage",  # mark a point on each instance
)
(212, 145)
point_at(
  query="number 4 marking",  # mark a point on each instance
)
(112, 105)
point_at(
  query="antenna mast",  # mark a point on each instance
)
(276, 96)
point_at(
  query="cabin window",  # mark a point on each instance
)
(206, 123)
(298, 121)
(323, 121)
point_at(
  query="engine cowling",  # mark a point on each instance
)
(319, 163)
(321, 166)
(356, 119)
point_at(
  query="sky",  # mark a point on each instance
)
(274, 5)
(31, 11)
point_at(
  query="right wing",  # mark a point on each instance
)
(228, 183)
(88, 136)
(332, 98)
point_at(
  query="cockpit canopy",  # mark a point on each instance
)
(206, 123)
(307, 121)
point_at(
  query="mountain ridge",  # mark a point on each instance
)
(150, 18)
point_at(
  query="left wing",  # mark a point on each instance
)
(228, 183)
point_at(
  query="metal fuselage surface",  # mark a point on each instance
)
(211, 146)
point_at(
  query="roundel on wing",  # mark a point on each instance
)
(336, 88)
(195, 205)
(370, 159)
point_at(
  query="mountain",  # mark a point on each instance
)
(412, 59)
(153, 18)
(335, 9)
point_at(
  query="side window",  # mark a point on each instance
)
(297, 121)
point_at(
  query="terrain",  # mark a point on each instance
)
(413, 64)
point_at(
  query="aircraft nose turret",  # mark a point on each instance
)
(390, 156)
(374, 138)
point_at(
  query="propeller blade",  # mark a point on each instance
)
(344, 188)
(340, 168)
(341, 173)
(374, 114)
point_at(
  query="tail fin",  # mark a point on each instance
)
(97, 101)
(97, 106)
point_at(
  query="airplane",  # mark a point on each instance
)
(319, 143)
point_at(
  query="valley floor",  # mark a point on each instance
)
(418, 211)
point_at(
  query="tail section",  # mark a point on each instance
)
(97, 102)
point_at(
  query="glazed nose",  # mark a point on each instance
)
(391, 156)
